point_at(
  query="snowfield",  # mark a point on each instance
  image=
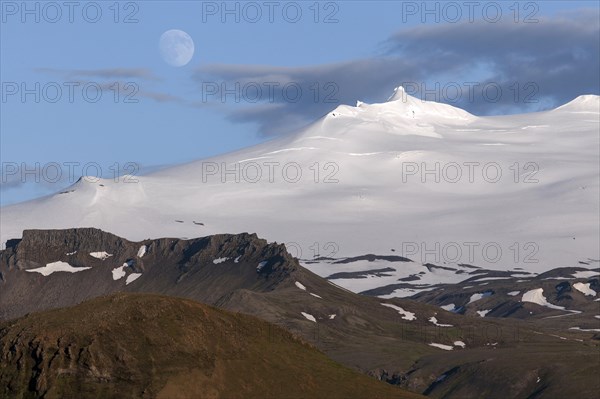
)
(523, 188)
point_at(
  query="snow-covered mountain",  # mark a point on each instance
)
(407, 177)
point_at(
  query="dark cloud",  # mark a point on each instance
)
(291, 97)
(551, 62)
(496, 68)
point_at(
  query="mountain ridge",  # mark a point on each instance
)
(402, 341)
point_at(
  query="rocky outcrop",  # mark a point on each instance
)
(205, 269)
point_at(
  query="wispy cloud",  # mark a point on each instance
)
(138, 80)
(108, 73)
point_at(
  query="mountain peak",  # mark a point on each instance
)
(583, 103)
(402, 106)
(417, 108)
(399, 94)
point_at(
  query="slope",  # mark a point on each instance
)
(148, 346)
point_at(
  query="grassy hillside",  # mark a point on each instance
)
(150, 346)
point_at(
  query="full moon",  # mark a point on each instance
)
(176, 47)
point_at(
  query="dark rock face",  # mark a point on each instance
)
(372, 258)
(171, 266)
(563, 287)
(394, 378)
(41, 245)
(361, 274)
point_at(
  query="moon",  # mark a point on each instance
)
(176, 47)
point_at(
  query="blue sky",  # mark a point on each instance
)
(540, 54)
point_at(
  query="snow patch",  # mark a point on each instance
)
(119, 272)
(309, 317)
(315, 295)
(57, 267)
(406, 315)
(71, 253)
(142, 251)
(584, 289)
(237, 260)
(482, 313)
(434, 320)
(479, 295)
(299, 285)
(332, 316)
(449, 307)
(132, 277)
(572, 312)
(220, 260)
(585, 329)
(100, 255)
(537, 296)
(514, 293)
(441, 346)
(459, 343)
(261, 265)
(585, 274)
(492, 278)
